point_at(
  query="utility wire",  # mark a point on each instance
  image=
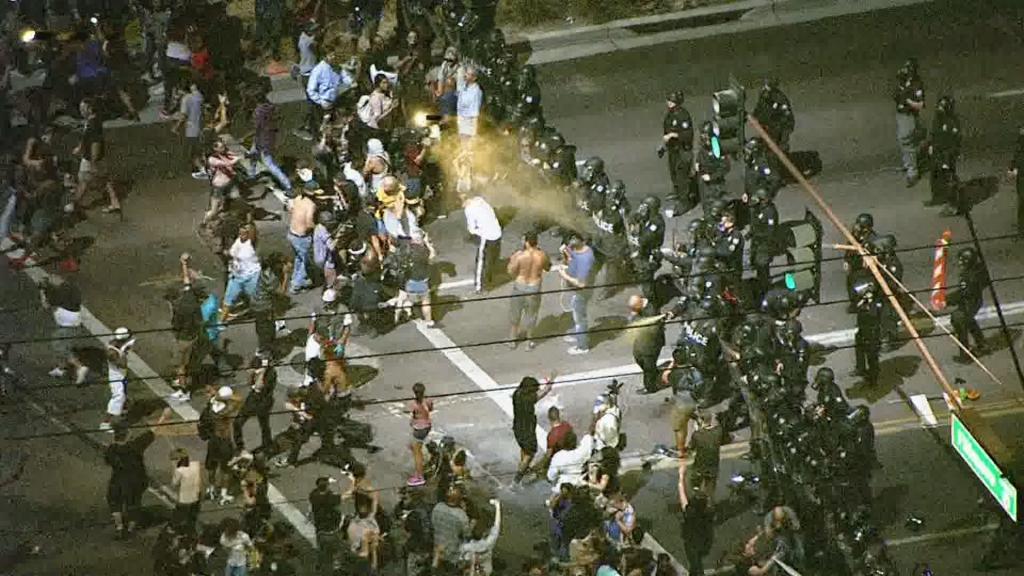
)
(461, 302)
(592, 331)
(375, 402)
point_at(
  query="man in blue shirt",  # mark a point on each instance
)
(325, 84)
(579, 259)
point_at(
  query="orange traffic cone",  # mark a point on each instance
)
(938, 300)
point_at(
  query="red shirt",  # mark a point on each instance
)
(556, 436)
(200, 62)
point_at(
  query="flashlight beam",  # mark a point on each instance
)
(869, 260)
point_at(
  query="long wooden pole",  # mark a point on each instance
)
(869, 260)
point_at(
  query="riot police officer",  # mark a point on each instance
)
(794, 354)
(909, 98)
(868, 341)
(528, 92)
(967, 297)
(831, 402)
(729, 246)
(864, 232)
(610, 237)
(594, 183)
(646, 234)
(711, 169)
(761, 168)
(1016, 166)
(677, 141)
(884, 248)
(944, 152)
(774, 113)
(764, 226)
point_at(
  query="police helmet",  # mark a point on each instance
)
(716, 209)
(753, 147)
(617, 190)
(865, 221)
(770, 83)
(707, 130)
(824, 377)
(966, 256)
(676, 97)
(498, 39)
(793, 327)
(885, 244)
(592, 167)
(911, 66)
(761, 196)
(551, 142)
(946, 104)
(697, 226)
(653, 203)
(527, 74)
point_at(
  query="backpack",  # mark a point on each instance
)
(363, 109)
(205, 425)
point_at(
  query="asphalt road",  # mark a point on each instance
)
(837, 73)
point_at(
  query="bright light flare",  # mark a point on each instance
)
(28, 35)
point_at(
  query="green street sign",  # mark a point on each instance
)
(983, 467)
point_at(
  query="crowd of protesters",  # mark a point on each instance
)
(395, 139)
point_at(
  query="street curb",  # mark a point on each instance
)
(811, 14)
(528, 40)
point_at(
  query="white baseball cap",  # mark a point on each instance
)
(329, 296)
(224, 392)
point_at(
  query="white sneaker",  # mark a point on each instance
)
(569, 339)
(225, 500)
(69, 208)
(200, 175)
(106, 427)
(576, 351)
(58, 372)
(6, 244)
(180, 396)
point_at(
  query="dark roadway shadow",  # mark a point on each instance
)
(441, 306)
(887, 506)
(893, 372)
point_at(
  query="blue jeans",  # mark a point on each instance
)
(908, 135)
(7, 211)
(303, 247)
(237, 285)
(230, 570)
(579, 320)
(268, 160)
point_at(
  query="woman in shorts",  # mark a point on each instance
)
(420, 408)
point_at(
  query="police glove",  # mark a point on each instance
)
(661, 151)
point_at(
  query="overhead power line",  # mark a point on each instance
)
(457, 394)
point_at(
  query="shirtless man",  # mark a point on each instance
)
(302, 211)
(527, 266)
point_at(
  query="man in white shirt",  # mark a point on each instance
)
(606, 427)
(482, 222)
(471, 100)
(567, 465)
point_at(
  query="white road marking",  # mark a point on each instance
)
(474, 372)
(1007, 93)
(156, 384)
(503, 399)
(729, 568)
(832, 338)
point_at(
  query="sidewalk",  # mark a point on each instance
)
(574, 42)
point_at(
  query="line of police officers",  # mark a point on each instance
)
(753, 357)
